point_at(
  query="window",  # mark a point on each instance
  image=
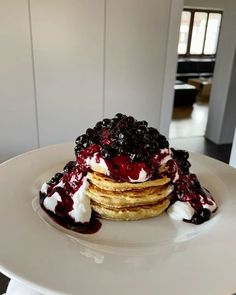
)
(199, 32)
(184, 30)
(212, 33)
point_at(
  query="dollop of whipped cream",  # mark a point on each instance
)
(165, 155)
(211, 204)
(44, 188)
(181, 210)
(184, 211)
(143, 176)
(51, 202)
(81, 210)
(81, 207)
(97, 164)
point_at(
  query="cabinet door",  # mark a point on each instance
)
(18, 132)
(68, 39)
(136, 44)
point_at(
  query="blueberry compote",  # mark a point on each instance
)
(128, 150)
(126, 145)
(60, 192)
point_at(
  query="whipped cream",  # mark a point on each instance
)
(81, 208)
(176, 174)
(211, 205)
(44, 188)
(81, 211)
(50, 203)
(181, 210)
(167, 156)
(143, 176)
(97, 164)
(60, 184)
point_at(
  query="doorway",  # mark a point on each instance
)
(198, 40)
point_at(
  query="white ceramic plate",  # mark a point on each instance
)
(154, 256)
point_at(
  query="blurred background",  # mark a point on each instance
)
(65, 64)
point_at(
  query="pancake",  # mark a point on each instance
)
(106, 183)
(131, 213)
(115, 200)
(119, 199)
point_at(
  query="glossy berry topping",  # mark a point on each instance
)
(182, 158)
(55, 179)
(69, 166)
(201, 215)
(123, 135)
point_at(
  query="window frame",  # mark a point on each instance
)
(192, 12)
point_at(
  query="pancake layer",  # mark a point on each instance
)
(106, 183)
(128, 201)
(130, 213)
(130, 198)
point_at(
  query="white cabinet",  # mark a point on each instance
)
(68, 41)
(18, 131)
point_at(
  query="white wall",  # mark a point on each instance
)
(68, 40)
(87, 59)
(215, 4)
(167, 101)
(136, 44)
(18, 131)
(221, 115)
(229, 118)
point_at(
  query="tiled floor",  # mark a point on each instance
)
(187, 130)
(203, 146)
(189, 122)
(195, 144)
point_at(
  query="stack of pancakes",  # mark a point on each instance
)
(128, 201)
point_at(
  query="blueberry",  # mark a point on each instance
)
(153, 133)
(180, 154)
(98, 126)
(201, 216)
(113, 123)
(138, 157)
(94, 139)
(121, 136)
(141, 130)
(107, 152)
(81, 139)
(184, 166)
(118, 116)
(147, 139)
(56, 178)
(147, 146)
(130, 120)
(85, 144)
(144, 123)
(120, 150)
(69, 166)
(78, 148)
(163, 143)
(153, 146)
(105, 122)
(90, 132)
